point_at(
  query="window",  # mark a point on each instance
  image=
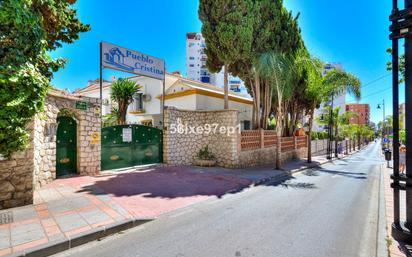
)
(138, 102)
(191, 44)
(191, 58)
(191, 65)
(246, 125)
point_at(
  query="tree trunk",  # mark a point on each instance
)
(336, 141)
(122, 112)
(310, 135)
(278, 141)
(263, 101)
(226, 88)
(254, 115)
(257, 91)
(267, 98)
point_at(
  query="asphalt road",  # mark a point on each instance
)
(334, 210)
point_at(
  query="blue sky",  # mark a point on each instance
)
(353, 33)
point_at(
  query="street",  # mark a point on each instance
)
(328, 211)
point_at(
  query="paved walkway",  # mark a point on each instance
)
(396, 249)
(71, 207)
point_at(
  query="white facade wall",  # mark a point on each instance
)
(196, 65)
(339, 100)
(194, 53)
(187, 102)
(214, 103)
(152, 109)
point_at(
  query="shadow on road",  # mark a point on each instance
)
(355, 175)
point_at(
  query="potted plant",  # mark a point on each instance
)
(205, 158)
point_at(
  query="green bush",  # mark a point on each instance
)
(204, 154)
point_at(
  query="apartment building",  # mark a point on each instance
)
(362, 111)
(339, 98)
(196, 65)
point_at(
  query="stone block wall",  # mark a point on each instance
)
(267, 156)
(88, 123)
(182, 147)
(36, 166)
(16, 176)
(257, 157)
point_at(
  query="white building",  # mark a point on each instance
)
(339, 99)
(181, 93)
(196, 65)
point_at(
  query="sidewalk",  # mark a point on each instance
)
(73, 211)
(396, 249)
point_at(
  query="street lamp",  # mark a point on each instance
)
(330, 133)
(382, 106)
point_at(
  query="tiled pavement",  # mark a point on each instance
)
(396, 249)
(72, 206)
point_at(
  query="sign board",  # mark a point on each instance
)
(81, 105)
(386, 140)
(123, 59)
(95, 137)
(127, 135)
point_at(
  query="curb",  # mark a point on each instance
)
(64, 244)
(289, 173)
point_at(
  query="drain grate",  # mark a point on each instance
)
(6, 217)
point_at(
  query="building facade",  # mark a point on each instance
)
(196, 65)
(339, 99)
(362, 111)
(182, 93)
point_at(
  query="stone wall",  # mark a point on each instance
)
(88, 150)
(182, 147)
(16, 176)
(257, 157)
(36, 166)
(267, 156)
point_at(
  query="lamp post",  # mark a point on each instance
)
(382, 105)
(402, 28)
(330, 132)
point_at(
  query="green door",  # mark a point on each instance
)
(130, 145)
(66, 148)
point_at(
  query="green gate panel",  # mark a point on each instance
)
(144, 146)
(66, 146)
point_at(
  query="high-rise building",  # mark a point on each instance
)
(339, 98)
(362, 111)
(196, 64)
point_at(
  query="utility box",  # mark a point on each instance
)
(388, 155)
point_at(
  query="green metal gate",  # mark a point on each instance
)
(66, 146)
(130, 145)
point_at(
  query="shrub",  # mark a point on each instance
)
(204, 154)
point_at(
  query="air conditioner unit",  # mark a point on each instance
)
(105, 102)
(147, 98)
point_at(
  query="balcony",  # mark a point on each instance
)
(137, 111)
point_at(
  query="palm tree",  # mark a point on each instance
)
(314, 94)
(122, 93)
(321, 88)
(275, 69)
(339, 120)
(111, 118)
